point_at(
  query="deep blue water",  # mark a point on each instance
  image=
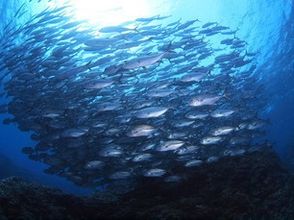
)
(266, 25)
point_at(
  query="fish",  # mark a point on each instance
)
(141, 131)
(170, 145)
(108, 106)
(120, 175)
(142, 157)
(193, 163)
(114, 29)
(143, 61)
(74, 132)
(111, 151)
(188, 150)
(151, 112)
(193, 77)
(155, 172)
(99, 84)
(148, 19)
(196, 115)
(225, 130)
(212, 159)
(94, 165)
(211, 140)
(202, 100)
(219, 113)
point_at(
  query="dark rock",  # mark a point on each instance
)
(252, 186)
(23, 200)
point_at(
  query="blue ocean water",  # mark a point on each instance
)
(266, 26)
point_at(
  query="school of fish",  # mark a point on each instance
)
(150, 98)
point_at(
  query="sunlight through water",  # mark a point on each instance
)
(110, 12)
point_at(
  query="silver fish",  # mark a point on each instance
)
(210, 140)
(99, 84)
(212, 159)
(193, 77)
(193, 163)
(111, 151)
(222, 131)
(141, 131)
(143, 61)
(151, 112)
(74, 132)
(120, 175)
(219, 113)
(142, 157)
(202, 100)
(94, 165)
(170, 145)
(155, 172)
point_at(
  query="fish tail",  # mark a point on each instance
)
(136, 29)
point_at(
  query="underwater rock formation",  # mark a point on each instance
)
(252, 186)
(9, 168)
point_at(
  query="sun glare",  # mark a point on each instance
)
(109, 12)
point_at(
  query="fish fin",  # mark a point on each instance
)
(168, 49)
(120, 78)
(20, 8)
(225, 95)
(88, 65)
(136, 29)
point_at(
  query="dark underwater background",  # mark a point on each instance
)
(266, 25)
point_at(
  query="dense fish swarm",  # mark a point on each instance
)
(147, 98)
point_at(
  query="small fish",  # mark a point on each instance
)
(202, 100)
(256, 125)
(196, 115)
(111, 151)
(74, 132)
(188, 150)
(193, 163)
(193, 77)
(170, 145)
(120, 175)
(234, 152)
(99, 84)
(108, 106)
(143, 61)
(219, 113)
(52, 113)
(155, 173)
(117, 29)
(225, 130)
(183, 123)
(210, 140)
(209, 24)
(142, 157)
(212, 159)
(151, 112)
(94, 165)
(141, 131)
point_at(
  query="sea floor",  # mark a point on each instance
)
(252, 186)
